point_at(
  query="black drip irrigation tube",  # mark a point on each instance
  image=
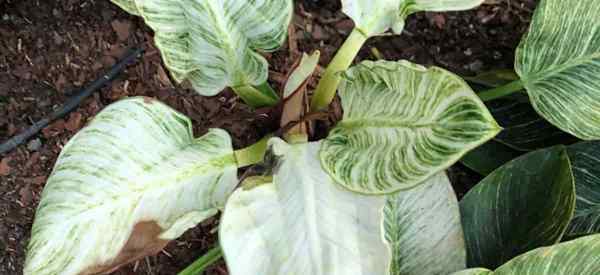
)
(73, 102)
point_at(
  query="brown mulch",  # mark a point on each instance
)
(51, 49)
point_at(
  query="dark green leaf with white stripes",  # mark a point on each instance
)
(136, 163)
(423, 227)
(580, 256)
(585, 159)
(559, 64)
(402, 124)
(523, 128)
(525, 204)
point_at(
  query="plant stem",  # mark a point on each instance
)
(257, 96)
(252, 154)
(501, 91)
(328, 84)
(198, 266)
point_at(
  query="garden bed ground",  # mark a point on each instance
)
(50, 49)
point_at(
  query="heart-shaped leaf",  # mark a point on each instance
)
(402, 124)
(423, 227)
(585, 161)
(303, 223)
(213, 44)
(125, 185)
(375, 17)
(579, 257)
(525, 204)
(559, 65)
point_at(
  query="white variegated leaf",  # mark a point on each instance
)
(423, 227)
(213, 44)
(402, 124)
(303, 223)
(559, 65)
(374, 17)
(125, 185)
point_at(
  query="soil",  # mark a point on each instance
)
(51, 49)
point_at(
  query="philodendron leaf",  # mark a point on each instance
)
(128, 5)
(402, 124)
(559, 64)
(125, 185)
(213, 44)
(525, 204)
(580, 256)
(423, 227)
(585, 159)
(375, 17)
(303, 223)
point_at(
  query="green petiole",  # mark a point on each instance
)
(252, 154)
(328, 84)
(257, 96)
(501, 91)
(198, 266)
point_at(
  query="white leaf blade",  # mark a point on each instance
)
(402, 123)
(303, 223)
(424, 229)
(136, 163)
(375, 17)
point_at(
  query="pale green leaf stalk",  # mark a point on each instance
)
(215, 44)
(423, 227)
(136, 163)
(373, 18)
(303, 223)
(559, 64)
(402, 124)
(580, 256)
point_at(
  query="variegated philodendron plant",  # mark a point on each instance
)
(371, 198)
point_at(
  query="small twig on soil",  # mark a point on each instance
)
(72, 102)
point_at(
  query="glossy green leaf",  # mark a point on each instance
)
(488, 157)
(525, 204)
(585, 159)
(559, 65)
(131, 180)
(214, 44)
(580, 256)
(523, 128)
(402, 124)
(423, 227)
(303, 223)
(375, 17)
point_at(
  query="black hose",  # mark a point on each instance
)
(72, 102)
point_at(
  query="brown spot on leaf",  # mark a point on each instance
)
(142, 242)
(148, 100)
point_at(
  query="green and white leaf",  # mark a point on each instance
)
(525, 204)
(580, 256)
(585, 159)
(128, 5)
(423, 227)
(375, 17)
(474, 271)
(137, 161)
(402, 124)
(214, 44)
(559, 64)
(303, 223)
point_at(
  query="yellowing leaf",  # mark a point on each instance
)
(124, 186)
